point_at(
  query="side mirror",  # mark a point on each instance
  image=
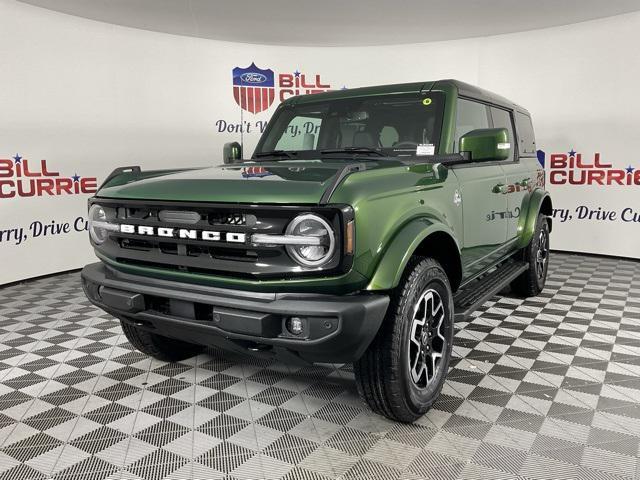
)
(486, 144)
(232, 152)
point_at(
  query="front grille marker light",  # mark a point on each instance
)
(267, 239)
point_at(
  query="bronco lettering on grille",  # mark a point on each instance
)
(184, 233)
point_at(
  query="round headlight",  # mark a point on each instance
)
(321, 240)
(98, 224)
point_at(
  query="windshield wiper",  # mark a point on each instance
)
(353, 150)
(276, 153)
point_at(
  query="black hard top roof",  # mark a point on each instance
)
(463, 89)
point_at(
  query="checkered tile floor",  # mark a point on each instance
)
(547, 387)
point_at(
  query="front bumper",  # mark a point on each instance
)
(337, 329)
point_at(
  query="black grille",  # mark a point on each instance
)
(241, 260)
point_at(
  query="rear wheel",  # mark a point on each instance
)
(402, 372)
(536, 254)
(158, 346)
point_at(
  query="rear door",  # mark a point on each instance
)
(484, 231)
(519, 172)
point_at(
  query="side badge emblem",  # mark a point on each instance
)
(457, 198)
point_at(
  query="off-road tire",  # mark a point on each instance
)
(531, 282)
(158, 346)
(383, 374)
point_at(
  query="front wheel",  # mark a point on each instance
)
(402, 372)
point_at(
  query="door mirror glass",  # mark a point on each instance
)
(486, 144)
(232, 152)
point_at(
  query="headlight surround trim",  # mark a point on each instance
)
(99, 224)
(294, 251)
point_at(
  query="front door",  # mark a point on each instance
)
(481, 193)
(483, 207)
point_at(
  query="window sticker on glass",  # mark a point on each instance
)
(426, 149)
(426, 102)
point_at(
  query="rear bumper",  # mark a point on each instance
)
(336, 329)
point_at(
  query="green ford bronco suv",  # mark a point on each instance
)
(365, 223)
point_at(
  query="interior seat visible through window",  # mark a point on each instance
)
(364, 139)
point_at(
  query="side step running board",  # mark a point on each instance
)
(473, 295)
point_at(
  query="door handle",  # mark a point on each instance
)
(499, 188)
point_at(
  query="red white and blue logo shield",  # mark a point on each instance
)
(253, 88)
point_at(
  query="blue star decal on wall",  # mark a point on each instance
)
(17, 159)
(76, 178)
(630, 169)
(296, 73)
(572, 153)
(343, 88)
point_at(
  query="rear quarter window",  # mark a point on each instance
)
(526, 137)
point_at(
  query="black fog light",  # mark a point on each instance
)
(295, 325)
(92, 290)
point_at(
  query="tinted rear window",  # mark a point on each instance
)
(527, 139)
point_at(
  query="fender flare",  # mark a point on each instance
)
(396, 256)
(540, 200)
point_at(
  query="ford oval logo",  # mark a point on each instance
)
(252, 77)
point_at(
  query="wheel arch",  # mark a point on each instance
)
(540, 202)
(422, 237)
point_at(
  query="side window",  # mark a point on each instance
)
(470, 116)
(527, 145)
(502, 119)
(300, 134)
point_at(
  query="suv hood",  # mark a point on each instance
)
(264, 182)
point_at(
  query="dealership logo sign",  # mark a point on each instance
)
(575, 168)
(255, 89)
(20, 177)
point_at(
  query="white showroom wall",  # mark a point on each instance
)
(87, 97)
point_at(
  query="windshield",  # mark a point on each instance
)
(391, 125)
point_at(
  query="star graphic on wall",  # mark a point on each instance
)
(17, 159)
(76, 178)
(572, 153)
(296, 73)
(630, 169)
